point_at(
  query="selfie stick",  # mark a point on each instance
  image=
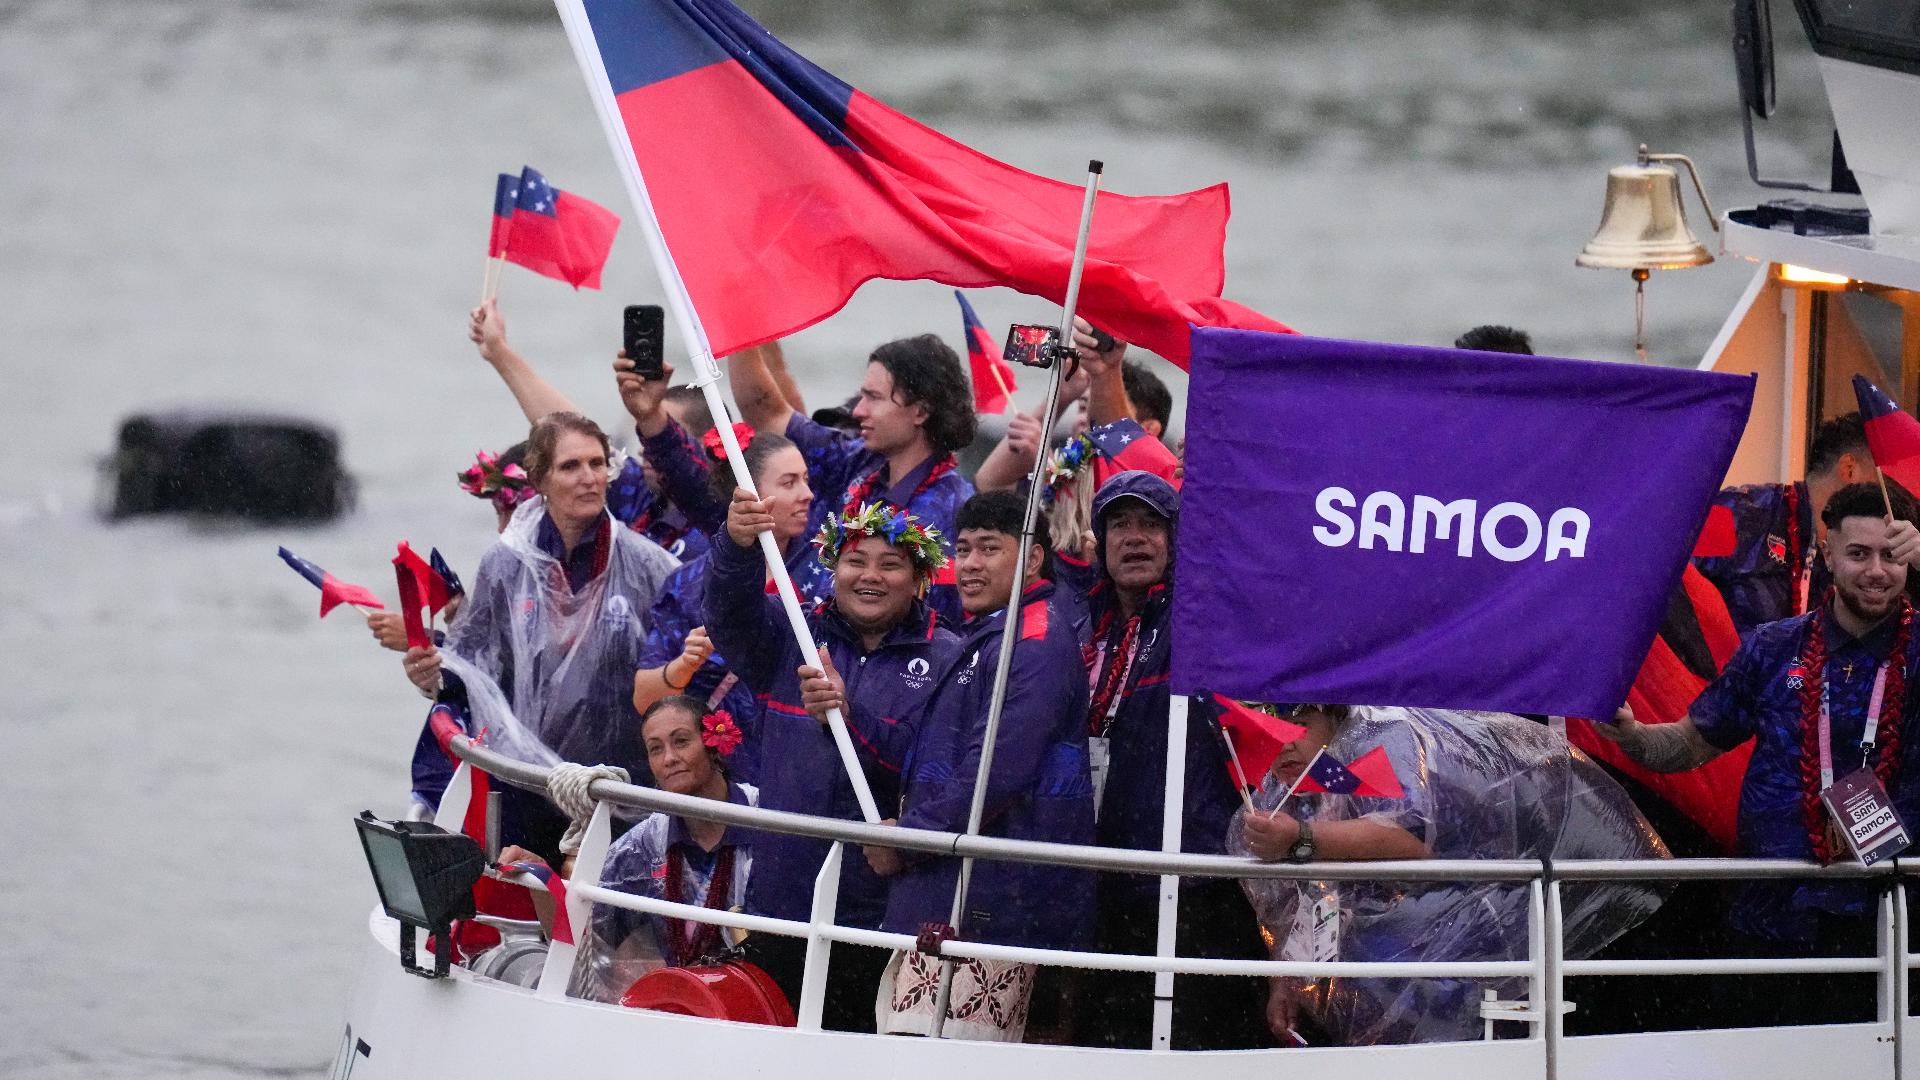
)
(706, 371)
(1009, 629)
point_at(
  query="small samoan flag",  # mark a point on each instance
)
(1124, 446)
(412, 597)
(1892, 435)
(333, 591)
(445, 573)
(1370, 774)
(1255, 738)
(557, 885)
(551, 232)
(432, 588)
(993, 381)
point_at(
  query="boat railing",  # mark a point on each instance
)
(1544, 968)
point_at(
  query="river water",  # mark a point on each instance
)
(284, 204)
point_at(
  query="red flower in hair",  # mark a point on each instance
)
(742, 433)
(720, 732)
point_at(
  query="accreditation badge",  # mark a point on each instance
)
(1315, 934)
(1858, 802)
(1097, 765)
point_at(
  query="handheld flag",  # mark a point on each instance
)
(1125, 445)
(1438, 512)
(779, 190)
(1892, 435)
(430, 587)
(506, 193)
(1370, 774)
(333, 591)
(555, 884)
(1256, 739)
(412, 598)
(448, 579)
(555, 233)
(993, 382)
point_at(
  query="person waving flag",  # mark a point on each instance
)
(779, 190)
(1892, 435)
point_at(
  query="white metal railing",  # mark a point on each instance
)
(1544, 968)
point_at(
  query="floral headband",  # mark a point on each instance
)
(1066, 463)
(718, 731)
(716, 449)
(878, 519)
(507, 486)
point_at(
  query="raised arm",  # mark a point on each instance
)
(1011, 460)
(1107, 396)
(756, 390)
(747, 626)
(537, 397)
(683, 472)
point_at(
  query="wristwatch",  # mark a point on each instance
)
(1303, 848)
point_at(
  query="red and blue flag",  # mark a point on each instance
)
(1124, 446)
(333, 591)
(407, 569)
(1370, 774)
(993, 381)
(448, 579)
(557, 885)
(1255, 738)
(550, 232)
(780, 189)
(1892, 435)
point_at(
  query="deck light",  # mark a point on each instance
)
(1806, 276)
(425, 876)
(1643, 227)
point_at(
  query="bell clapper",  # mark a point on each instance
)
(1640, 275)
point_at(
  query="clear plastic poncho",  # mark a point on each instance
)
(1478, 786)
(561, 662)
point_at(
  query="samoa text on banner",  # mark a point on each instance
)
(1393, 525)
(780, 189)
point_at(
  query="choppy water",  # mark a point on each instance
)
(283, 203)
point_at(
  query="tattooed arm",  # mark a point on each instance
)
(1663, 748)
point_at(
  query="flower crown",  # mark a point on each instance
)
(507, 486)
(717, 450)
(718, 730)
(1066, 463)
(879, 519)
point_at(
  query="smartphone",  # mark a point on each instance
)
(646, 340)
(1103, 341)
(1032, 345)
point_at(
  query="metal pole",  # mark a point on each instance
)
(1008, 634)
(585, 50)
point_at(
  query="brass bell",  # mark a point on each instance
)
(1643, 226)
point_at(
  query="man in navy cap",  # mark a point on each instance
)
(1128, 659)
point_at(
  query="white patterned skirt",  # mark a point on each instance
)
(988, 1002)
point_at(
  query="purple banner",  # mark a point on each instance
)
(1391, 525)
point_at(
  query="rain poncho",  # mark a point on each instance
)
(1478, 786)
(563, 661)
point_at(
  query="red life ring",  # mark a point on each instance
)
(735, 990)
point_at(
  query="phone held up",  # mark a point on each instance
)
(1032, 345)
(646, 344)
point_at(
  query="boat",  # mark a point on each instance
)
(1797, 329)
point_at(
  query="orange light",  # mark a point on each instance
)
(1800, 275)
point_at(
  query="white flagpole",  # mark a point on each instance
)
(1009, 630)
(706, 372)
(1295, 786)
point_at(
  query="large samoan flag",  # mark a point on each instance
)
(780, 189)
(1392, 525)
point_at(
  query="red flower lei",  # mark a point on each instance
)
(1796, 559)
(1119, 662)
(680, 949)
(861, 492)
(1813, 658)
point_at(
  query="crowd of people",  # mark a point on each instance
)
(626, 618)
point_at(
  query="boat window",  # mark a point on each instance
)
(1883, 33)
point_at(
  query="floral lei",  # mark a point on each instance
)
(1813, 663)
(880, 519)
(507, 486)
(1065, 465)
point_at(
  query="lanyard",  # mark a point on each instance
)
(1868, 734)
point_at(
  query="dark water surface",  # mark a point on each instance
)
(284, 204)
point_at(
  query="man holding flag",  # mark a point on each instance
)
(1825, 697)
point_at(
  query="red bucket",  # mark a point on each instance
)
(735, 990)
